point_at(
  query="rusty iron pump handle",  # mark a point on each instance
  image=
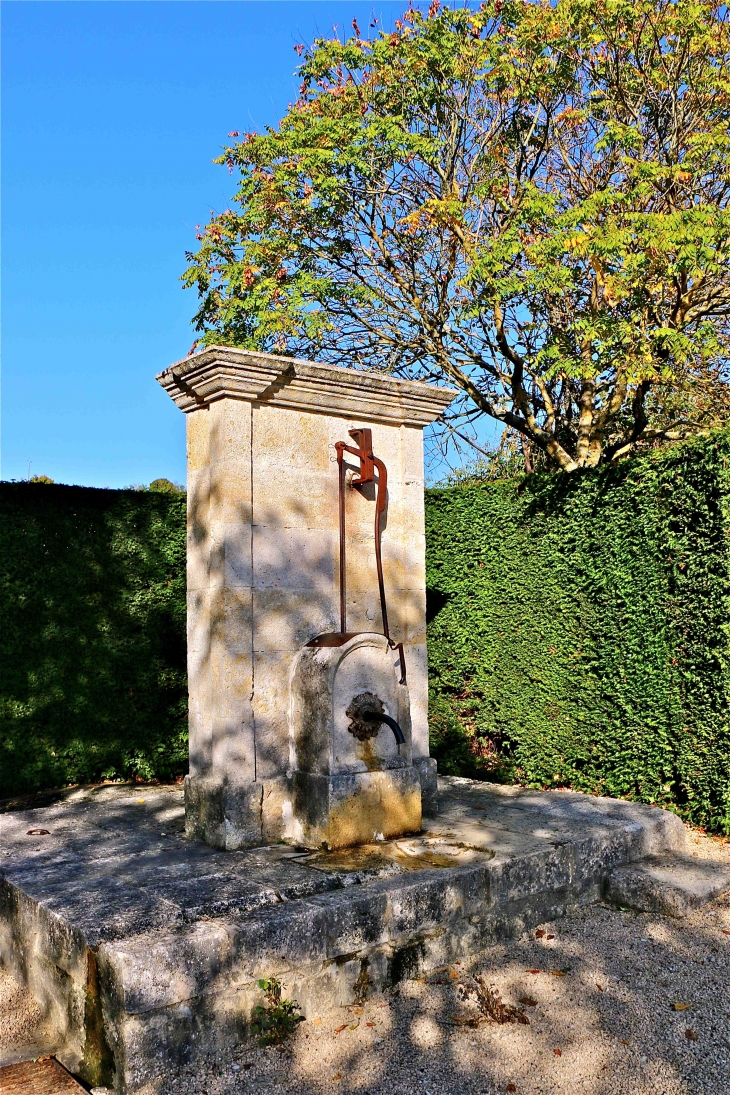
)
(368, 463)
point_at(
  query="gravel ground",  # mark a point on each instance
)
(601, 1019)
(22, 1034)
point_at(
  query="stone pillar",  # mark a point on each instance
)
(262, 553)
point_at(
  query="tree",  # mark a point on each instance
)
(529, 201)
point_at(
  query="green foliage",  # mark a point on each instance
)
(277, 1019)
(165, 486)
(579, 629)
(529, 200)
(92, 643)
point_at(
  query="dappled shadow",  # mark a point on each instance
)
(602, 1020)
(263, 580)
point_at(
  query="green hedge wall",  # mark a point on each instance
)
(578, 633)
(92, 640)
(579, 629)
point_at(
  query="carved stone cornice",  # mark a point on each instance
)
(225, 372)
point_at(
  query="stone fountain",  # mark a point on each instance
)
(306, 600)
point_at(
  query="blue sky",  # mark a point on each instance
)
(111, 115)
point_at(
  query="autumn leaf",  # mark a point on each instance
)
(558, 1052)
(690, 1035)
(534, 971)
(680, 1007)
(539, 933)
(338, 1030)
(528, 1001)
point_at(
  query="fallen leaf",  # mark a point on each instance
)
(725, 931)
(38, 832)
(690, 1034)
(453, 974)
(317, 1022)
(539, 933)
(599, 987)
(492, 1005)
(338, 1030)
(551, 937)
(249, 1064)
(625, 1042)
(510, 1087)
(558, 1052)
(533, 971)
(140, 801)
(370, 1024)
(337, 1076)
(680, 1007)
(558, 973)
(528, 1001)
(354, 1026)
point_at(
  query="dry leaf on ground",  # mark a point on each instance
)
(491, 1004)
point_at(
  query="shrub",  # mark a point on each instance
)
(579, 627)
(92, 644)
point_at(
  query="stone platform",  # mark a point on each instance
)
(143, 948)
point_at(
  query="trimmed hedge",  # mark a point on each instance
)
(92, 642)
(579, 629)
(578, 634)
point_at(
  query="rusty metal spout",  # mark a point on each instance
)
(389, 721)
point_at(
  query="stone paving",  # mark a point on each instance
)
(143, 948)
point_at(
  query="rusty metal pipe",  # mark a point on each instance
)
(389, 721)
(368, 463)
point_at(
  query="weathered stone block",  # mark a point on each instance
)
(671, 885)
(224, 815)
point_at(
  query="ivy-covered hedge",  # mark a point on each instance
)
(579, 629)
(92, 635)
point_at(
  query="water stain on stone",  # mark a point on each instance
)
(399, 856)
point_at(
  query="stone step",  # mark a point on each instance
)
(671, 885)
(161, 941)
